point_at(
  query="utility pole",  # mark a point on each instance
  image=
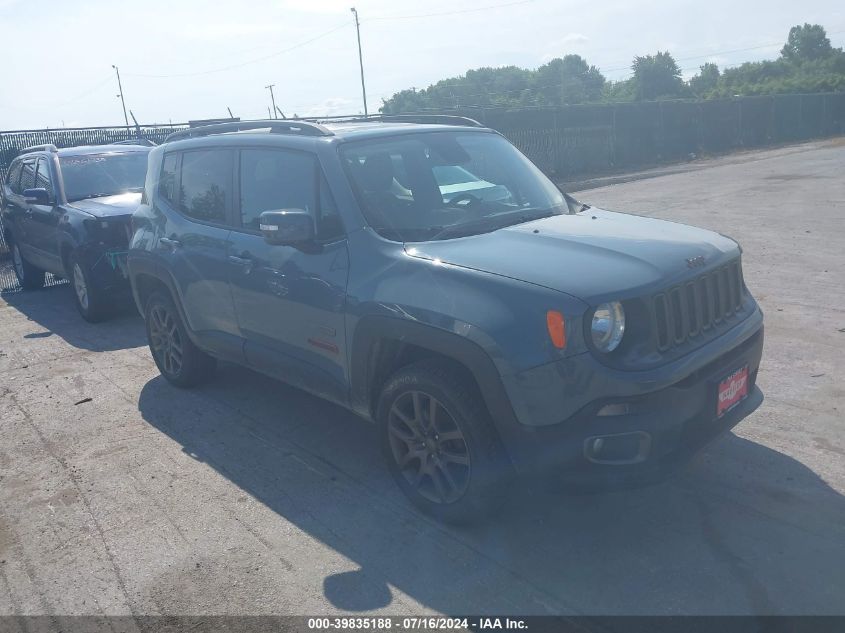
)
(360, 58)
(272, 98)
(120, 88)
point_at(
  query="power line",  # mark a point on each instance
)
(444, 13)
(248, 62)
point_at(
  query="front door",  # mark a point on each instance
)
(196, 187)
(43, 221)
(290, 301)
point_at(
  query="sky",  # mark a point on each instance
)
(192, 59)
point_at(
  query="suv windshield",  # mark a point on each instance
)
(438, 185)
(97, 175)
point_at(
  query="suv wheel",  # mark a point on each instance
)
(29, 277)
(87, 296)
(440, 445)
(180, 361)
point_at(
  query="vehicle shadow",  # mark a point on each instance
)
(744, 530)
(53, 309)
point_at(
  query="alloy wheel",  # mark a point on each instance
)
(165, 339)
(428, 447)
(80, 287)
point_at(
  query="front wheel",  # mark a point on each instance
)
(29, 277)
(181, 362)
(440, 445)
(90, 300)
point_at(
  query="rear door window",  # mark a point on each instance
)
(205, 191)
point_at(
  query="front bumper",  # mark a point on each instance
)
(107, 267)
(653, 430)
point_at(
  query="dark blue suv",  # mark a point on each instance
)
(427, 276)
(67, 211)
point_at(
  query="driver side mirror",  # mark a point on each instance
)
(36, 196)
(287, 227)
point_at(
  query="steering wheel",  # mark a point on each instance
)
(466, 195)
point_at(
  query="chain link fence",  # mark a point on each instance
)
(591, 139)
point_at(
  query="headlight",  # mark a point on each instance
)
(608, 326)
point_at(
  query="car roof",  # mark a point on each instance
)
(306, 132)
(82, 150)
(371, 129)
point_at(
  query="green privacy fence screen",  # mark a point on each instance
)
(570, 141)
(589, 139)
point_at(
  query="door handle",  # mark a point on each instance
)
(169, 242)
(244, 262)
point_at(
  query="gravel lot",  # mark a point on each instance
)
(123, 495)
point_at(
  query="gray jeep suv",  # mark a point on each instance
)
(424, 274)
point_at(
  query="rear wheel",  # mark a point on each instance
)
(180, 361)
(29, 277)
(89, 299)
(440, 445)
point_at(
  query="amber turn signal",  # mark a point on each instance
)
(557, 328)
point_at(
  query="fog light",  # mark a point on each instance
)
(622, 408)
(598, 444)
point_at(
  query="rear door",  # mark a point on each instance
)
(25, 235)
(13, 208)
(290, 301)
(196, 190)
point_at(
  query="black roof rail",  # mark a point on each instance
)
(47, 147)
(278, 126)
(437, 119)
(143, 142)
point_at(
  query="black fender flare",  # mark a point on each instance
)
(372, 329)
(141, 265)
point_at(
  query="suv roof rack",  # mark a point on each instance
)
(143, 142)
(47, 147)
(277, 126)
(441, 119)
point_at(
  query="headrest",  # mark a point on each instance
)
(377, 173)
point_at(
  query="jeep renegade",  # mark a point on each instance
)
(423, 273)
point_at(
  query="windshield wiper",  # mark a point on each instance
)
(489, 224)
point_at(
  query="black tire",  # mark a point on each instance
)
(181, 362)
(462, 443)
(29, 277)
(90, 300)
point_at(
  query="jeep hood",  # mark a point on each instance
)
(109, 206)
(594, 255)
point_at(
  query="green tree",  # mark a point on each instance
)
(567, 80)
(657, 76)
(706, 80)
(806, 43)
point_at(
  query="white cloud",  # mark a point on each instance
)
(564, 45)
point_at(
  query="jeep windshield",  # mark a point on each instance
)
(439, 185)
(98, 175)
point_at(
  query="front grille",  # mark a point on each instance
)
(697, 306)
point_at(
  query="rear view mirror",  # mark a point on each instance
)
(36, 196)
(287, 227)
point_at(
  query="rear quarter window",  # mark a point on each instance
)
(13, 178)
